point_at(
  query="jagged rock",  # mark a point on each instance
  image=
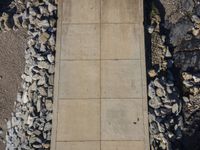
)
(37, 146)
(32, 11)
(46, 146)
(30, 121)
(16, 19)
(158, 83)
(42, 23)
(38, 106)
(33, 86)
(25, 23)
(43, 10)
(160, 92)
(44, 37)
(19, 97)
(195, 32)
(161, 128)
(168, 53)
(52, 23)
(47, 126)
(31, 43)
(172, 10)
(196, 78)
(43, 65)
(151, 29)
(179, 31)
(175, 108)
(51, 7)
(197, 10)
(186, 99)
(187, 5)
(26, 78)
(155, 102)
(187, 60)
(51, 80)
(25, 97)
(50, 92)
(152, 73)
(153, 128)
(42, 91)
(151, 90)
(50, 58)
(51, 69)
(49, 105)
(6, 22)
(187, 76)
(41, 81)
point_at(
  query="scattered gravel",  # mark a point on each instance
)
(31, 122)
(165, 121)
(174, 75)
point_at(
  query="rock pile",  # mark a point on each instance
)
(13, 18)
(191, 109)
(175, 62)
(165, 104)
(184, 32)
(164, 113)
(191, 89)
(31, 122)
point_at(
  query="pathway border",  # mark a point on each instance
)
(57, 73)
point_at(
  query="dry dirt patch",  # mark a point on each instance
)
(12, 47)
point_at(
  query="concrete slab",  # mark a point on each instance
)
(121, 11)
(121, 79)
(81, 11)
(122, 119)
(120, 41)
(79, 79)
(79, 120)
(87, 37)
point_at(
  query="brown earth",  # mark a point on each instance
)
(12, 47)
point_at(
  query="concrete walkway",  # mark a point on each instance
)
(100, 84)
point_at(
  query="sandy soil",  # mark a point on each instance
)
(12, 47)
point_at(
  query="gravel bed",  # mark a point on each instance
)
(31, 122)
(174, 75)
(165, 121)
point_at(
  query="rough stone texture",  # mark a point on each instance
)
(31, 121)
(187, 60)
(172, 9)
(180, 30)
(178, 127)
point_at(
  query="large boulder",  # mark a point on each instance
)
(189, 60)
(179, 31)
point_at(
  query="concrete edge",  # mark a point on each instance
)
(144, 86)
(57, 74)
